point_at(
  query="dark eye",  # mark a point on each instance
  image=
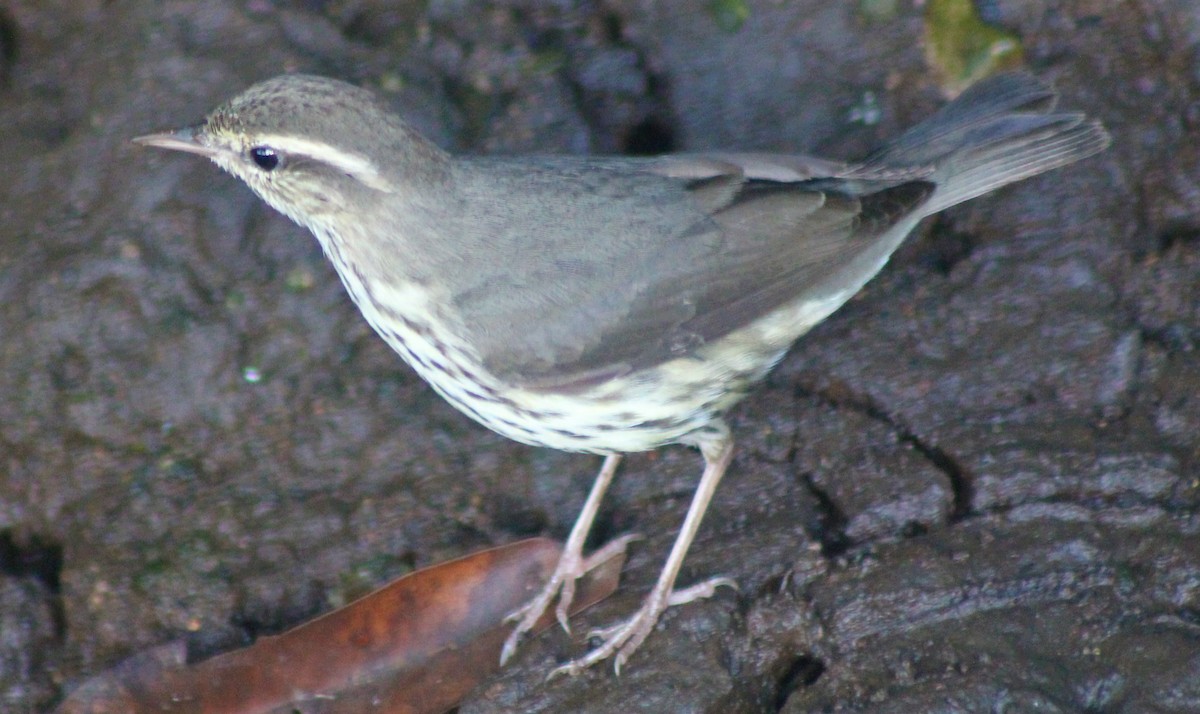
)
(266, 158)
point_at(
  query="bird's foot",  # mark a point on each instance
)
(622, 639)
(571, 566)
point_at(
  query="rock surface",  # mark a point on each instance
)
(974, 488)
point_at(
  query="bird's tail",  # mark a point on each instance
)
(998, 131)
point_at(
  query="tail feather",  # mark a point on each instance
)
(983, 102)
(997, 132)
(1018, 158)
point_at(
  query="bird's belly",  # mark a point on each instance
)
(656, 406)
(636, 412)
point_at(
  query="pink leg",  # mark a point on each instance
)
(625, 637)
(571, 564)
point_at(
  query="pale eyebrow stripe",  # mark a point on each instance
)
(354, 164)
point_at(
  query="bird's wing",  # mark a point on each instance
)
(620, 265)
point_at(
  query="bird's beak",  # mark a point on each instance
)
(186, 139)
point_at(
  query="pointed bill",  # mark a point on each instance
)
(182, 140)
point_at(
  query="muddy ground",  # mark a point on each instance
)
(975, 488)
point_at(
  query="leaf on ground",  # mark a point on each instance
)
(415, 646)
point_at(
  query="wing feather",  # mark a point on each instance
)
(697, 251)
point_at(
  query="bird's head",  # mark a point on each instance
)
(309, 146)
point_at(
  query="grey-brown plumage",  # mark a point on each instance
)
(610, 305)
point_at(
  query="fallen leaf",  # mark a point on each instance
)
(415, 646)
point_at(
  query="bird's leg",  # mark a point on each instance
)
(625, 637)
(571, 564)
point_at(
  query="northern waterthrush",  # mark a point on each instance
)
(609, 305)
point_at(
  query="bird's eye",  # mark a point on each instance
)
(266, 158)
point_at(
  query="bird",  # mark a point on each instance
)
(610, 304)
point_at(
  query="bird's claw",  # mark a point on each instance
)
(571, 566)
(622, 639)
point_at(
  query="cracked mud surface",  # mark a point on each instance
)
(976, 487)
